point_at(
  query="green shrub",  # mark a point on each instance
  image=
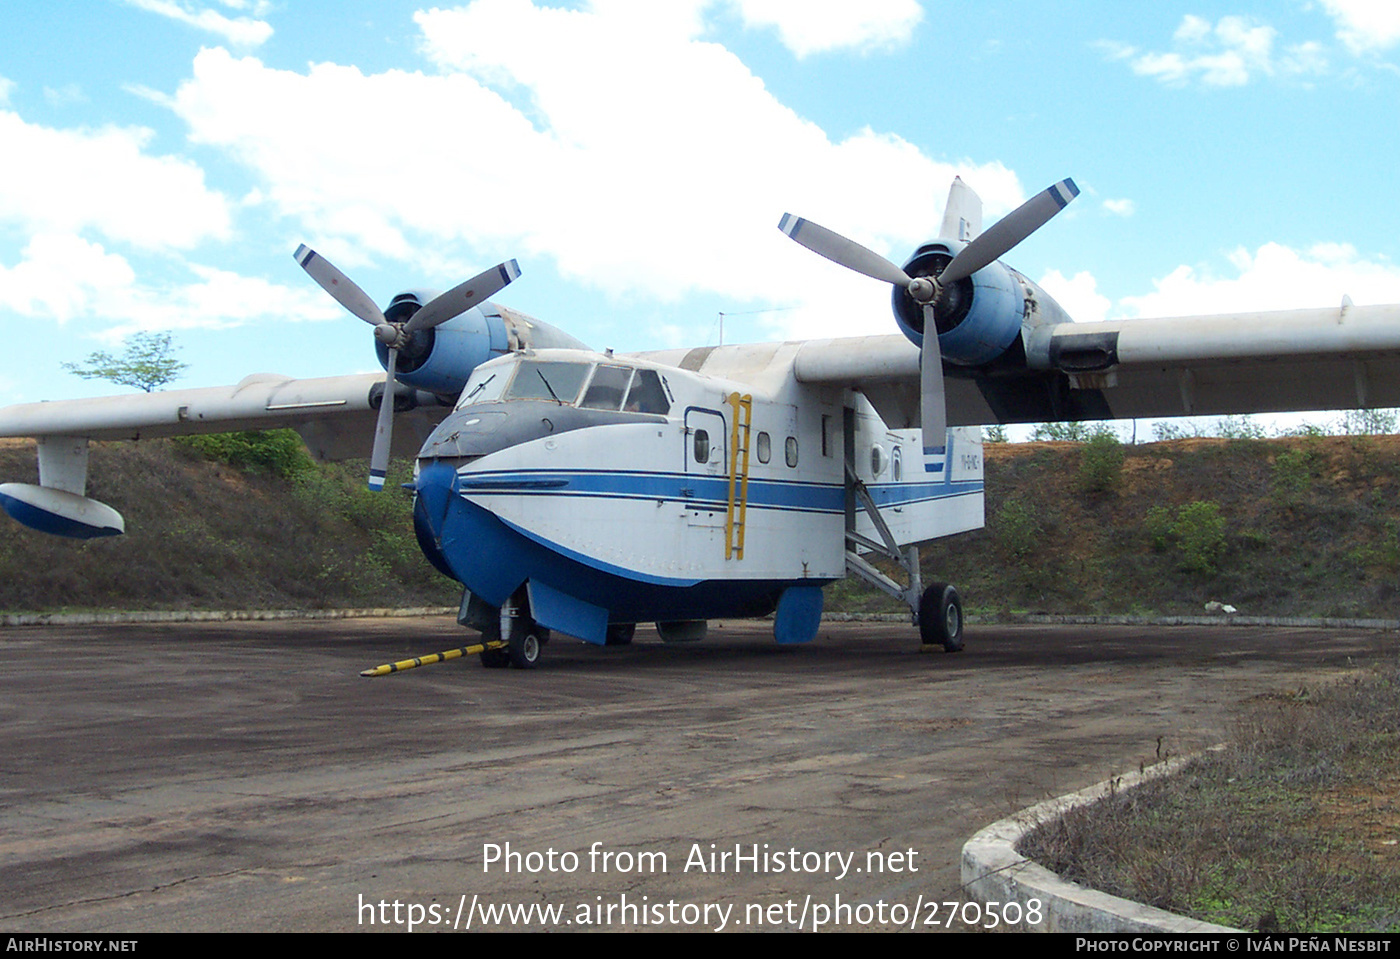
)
(279, 452)
(1101, 463)
(1197, 529)
(1158, 525)
(1200, 533)
(1292, 477)
(1016, 529)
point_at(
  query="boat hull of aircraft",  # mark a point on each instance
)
(494, 559)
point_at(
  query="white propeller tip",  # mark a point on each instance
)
(1063, 192)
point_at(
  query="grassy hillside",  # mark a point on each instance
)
(205, 535)
(1306, 526)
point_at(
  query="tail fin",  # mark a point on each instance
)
(962, 216)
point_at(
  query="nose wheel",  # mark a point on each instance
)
(525, 647)
(524, 637)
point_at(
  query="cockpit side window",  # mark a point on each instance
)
(544, 380)
(484, 387)
(647, 395)
(608, 387)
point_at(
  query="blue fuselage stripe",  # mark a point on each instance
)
(699, 492)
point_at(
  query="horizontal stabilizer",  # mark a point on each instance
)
(60, 513)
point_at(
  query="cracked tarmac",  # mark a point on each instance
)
(242, 776)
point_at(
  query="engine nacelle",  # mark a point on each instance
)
(979, 317)
(440, 360)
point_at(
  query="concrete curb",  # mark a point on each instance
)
(993, 871)
(212, 616)
(1219, 619)
(1027, 619)
(1111, 619)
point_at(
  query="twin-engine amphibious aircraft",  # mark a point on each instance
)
(586, 492)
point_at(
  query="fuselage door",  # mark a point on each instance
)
(705, 439)
(706, 459)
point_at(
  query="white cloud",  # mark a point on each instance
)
(1274, 277)
(640, 158)
(1120, 207)
(240, 31)
(1365, 26)
(1231, 52)
(60, 181)
(65, 95)
(64, 278)
(818, 26)
(6, 88)
(1079, 295)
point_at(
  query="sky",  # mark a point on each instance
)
(161, 159)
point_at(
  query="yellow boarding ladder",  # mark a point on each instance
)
(738, 475)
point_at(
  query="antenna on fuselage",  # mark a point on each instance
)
(723, 314)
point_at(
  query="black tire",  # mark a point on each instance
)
(620, 634)
(524, 648)
(941, 617)
(495, 658)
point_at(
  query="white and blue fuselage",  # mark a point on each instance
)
(630, 489)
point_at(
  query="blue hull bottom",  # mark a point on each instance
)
(493, 560)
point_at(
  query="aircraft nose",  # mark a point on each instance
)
(436, 487)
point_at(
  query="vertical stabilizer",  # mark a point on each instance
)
(962, 216)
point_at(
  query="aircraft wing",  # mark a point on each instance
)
(335, 414)
(1293, 360)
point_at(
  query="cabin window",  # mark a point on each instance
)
(607, 389)
(792, 451)
(647, 395)
(702, 446)
(765, 447)
(544, 380)
(877, 461)
(897, 465)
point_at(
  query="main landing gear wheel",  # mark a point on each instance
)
(941, 617)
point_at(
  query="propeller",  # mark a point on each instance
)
(925, 290)
(435, 312)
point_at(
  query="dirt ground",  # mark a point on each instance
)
(244, 777)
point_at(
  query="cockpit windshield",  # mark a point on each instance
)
(601, 386)
(548, 380)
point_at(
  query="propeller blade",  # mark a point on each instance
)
(463, 296)
(838, 249)
(383, 429)
(1009, 231)
(338, 285)
(933, 404)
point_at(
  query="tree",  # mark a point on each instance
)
(1367, 422)
(148, 363)
(1068, 432)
